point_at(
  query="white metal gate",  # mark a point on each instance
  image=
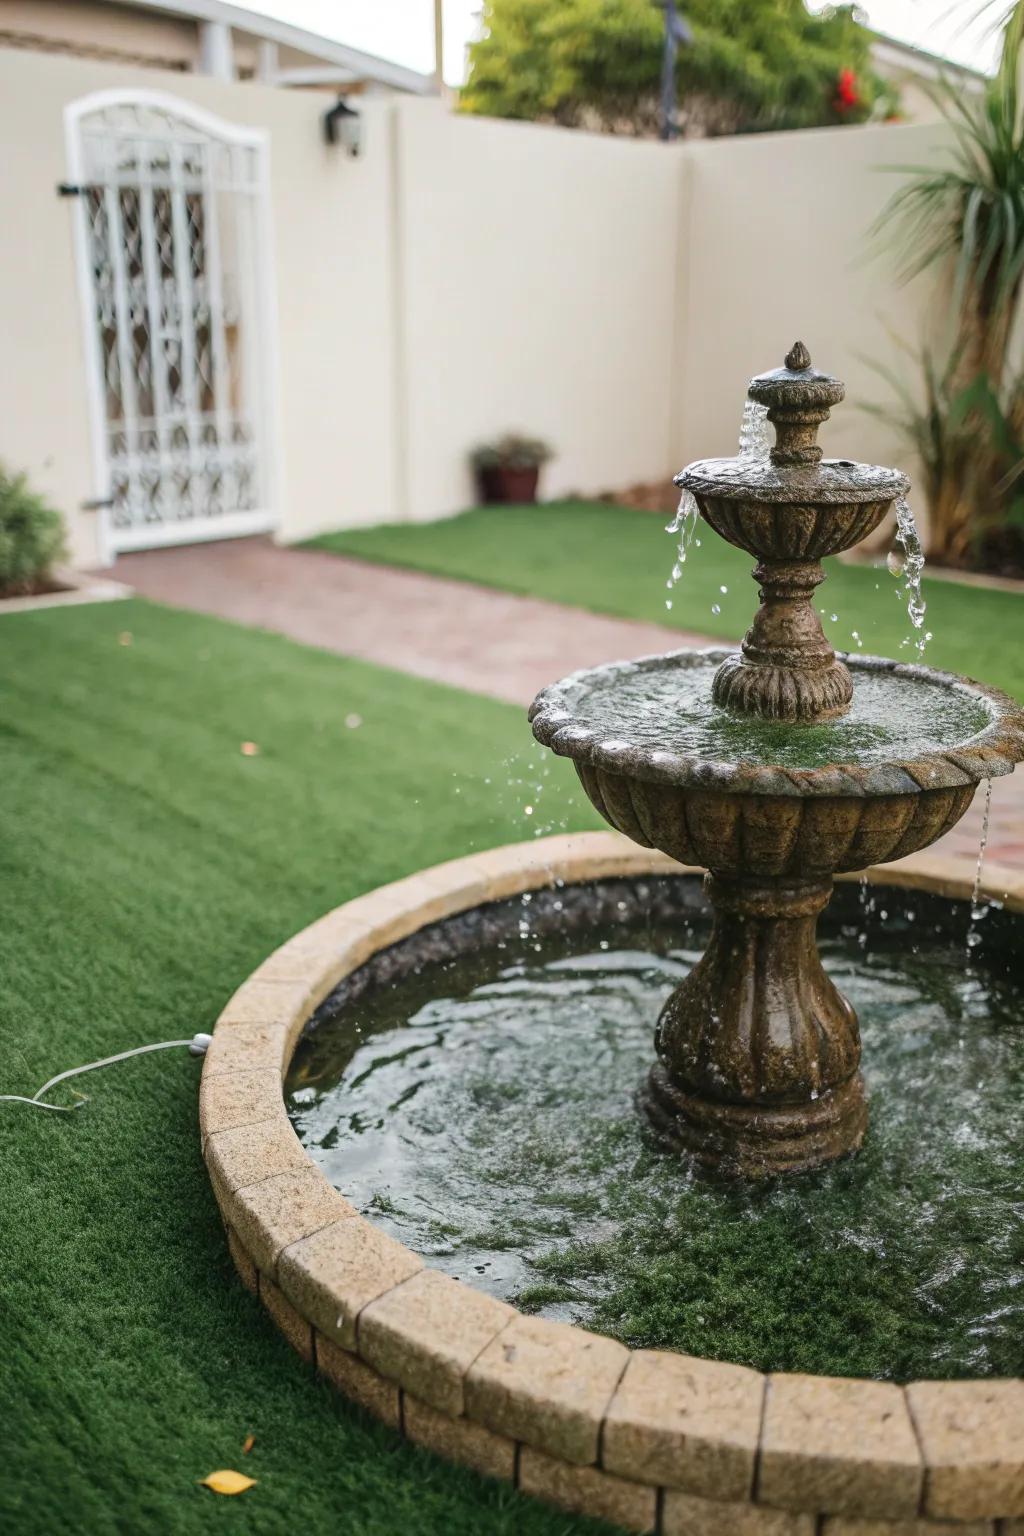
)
(172, 244)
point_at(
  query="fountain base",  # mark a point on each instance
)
(757, 1141)
(759, 1050)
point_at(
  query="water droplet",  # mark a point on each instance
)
(833, 618)
(528, 810)
(723, 589)
(716, 607)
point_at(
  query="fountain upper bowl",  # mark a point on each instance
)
(793, 513)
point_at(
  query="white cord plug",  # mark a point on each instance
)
(197, 1046)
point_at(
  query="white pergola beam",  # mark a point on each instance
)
(361, 66)
(216, 55)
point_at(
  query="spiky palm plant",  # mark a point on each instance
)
(967, 215)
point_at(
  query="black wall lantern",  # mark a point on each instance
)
(344, 125)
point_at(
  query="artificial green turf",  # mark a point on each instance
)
(147, 867)
(617, 561)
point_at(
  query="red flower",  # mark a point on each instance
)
(847, 94)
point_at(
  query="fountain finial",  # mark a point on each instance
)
(798, 398)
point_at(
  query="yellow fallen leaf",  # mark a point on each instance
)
(227, 1482)
(250, 1441)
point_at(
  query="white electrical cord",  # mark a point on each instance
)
(197, 1047)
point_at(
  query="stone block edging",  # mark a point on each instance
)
(651, 1440)
(73, 589)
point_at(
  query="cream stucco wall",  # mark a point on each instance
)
(778, 236)
(539, 270)
(466, 277)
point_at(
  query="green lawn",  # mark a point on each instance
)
(612, 560)
(148, 866)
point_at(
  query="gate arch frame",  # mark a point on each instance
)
(216, 129)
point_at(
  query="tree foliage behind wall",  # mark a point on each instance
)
(751, 65)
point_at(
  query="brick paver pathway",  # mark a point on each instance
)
(451, 632)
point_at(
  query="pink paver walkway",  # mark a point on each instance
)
(450, 632)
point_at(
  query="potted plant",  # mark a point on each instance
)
(508, 470)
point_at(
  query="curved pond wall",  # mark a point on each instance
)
(651, 1440)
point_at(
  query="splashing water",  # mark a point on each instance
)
(755, 442)
(684, 523)
(908, 561)
(978, 910)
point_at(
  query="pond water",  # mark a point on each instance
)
(473, 1094)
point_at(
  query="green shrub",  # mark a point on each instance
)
(31, 535)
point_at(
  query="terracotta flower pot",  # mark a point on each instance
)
(503, 483)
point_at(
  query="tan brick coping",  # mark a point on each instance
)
(653, 1441)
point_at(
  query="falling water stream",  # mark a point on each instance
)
(978, 908)
(755, 441)
(684, 524)
(908, 562)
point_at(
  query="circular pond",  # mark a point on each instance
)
(471, 1089)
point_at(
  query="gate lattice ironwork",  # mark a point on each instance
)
(171, 235)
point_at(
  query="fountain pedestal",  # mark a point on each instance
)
(786, 669)
(758, 1049)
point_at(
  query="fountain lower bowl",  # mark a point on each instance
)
(748, 797)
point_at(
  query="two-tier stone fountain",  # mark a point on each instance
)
(776, 768)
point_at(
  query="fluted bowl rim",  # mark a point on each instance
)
(988, 754)
(831, 482)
